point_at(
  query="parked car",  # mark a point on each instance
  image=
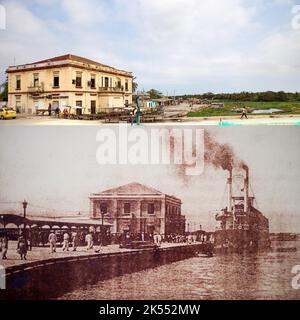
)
(7, 113)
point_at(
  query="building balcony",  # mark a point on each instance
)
(36, 88)
(112, 89)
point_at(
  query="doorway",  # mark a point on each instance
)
(78, 108)
(93, 107)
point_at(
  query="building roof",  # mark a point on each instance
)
(132, 188)
(60, 221)
(68, 58)
(73, 58)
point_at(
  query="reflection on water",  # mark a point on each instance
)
(261, 276)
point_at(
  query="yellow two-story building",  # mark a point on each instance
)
(68, 82)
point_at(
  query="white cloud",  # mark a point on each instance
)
(84, 13)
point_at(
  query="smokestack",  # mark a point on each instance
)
(246, 190)
(229, 183)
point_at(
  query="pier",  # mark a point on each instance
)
(45, 276)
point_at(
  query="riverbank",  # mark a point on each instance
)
(281, 108)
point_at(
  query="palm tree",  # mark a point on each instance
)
(155, 94)
(134, 85)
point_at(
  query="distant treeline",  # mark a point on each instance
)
(267, 96)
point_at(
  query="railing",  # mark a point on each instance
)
(36, 88)
(111, 89)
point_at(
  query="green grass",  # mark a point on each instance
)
(289, 107)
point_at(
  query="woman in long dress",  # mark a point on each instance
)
(4, 246)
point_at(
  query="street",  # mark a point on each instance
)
(211, 121)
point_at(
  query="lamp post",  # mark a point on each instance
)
(2, 218)
(24, 203)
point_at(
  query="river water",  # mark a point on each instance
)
(257, 276)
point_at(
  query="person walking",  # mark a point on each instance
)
(49, 109)
(75, 239)
(65, 113)
(57, 112)
(22, 246)
(66, 242)
(244, 113)
(29, 240)
(89, 241)
(4, 245)
(52, 240)
(133, 116)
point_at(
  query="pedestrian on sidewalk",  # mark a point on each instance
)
(57, 112)
(52, 240)
(89, 241)
(75, 239)
(22, 246)
(244, 113)
(66, 242)
(4, 245)
(133, 113)
(29, 240)
(49, 109)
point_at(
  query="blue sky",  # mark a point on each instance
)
(186, 46)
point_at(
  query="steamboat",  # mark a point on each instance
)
(242, 227)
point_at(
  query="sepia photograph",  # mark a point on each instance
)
(217, 217)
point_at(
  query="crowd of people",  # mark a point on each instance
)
(67, 241)
(71, 240)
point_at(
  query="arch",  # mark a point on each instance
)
(11, 226)
(45, 226)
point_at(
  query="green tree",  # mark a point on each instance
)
(155, 94)
(134, 85)
(4, 90)
(281, 96)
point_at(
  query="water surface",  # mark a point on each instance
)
(256, 276)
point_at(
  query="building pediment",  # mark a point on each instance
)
(131, 189)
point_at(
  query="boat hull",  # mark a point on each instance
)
(240, 241)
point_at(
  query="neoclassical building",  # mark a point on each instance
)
(138, 209)
(82, 85)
